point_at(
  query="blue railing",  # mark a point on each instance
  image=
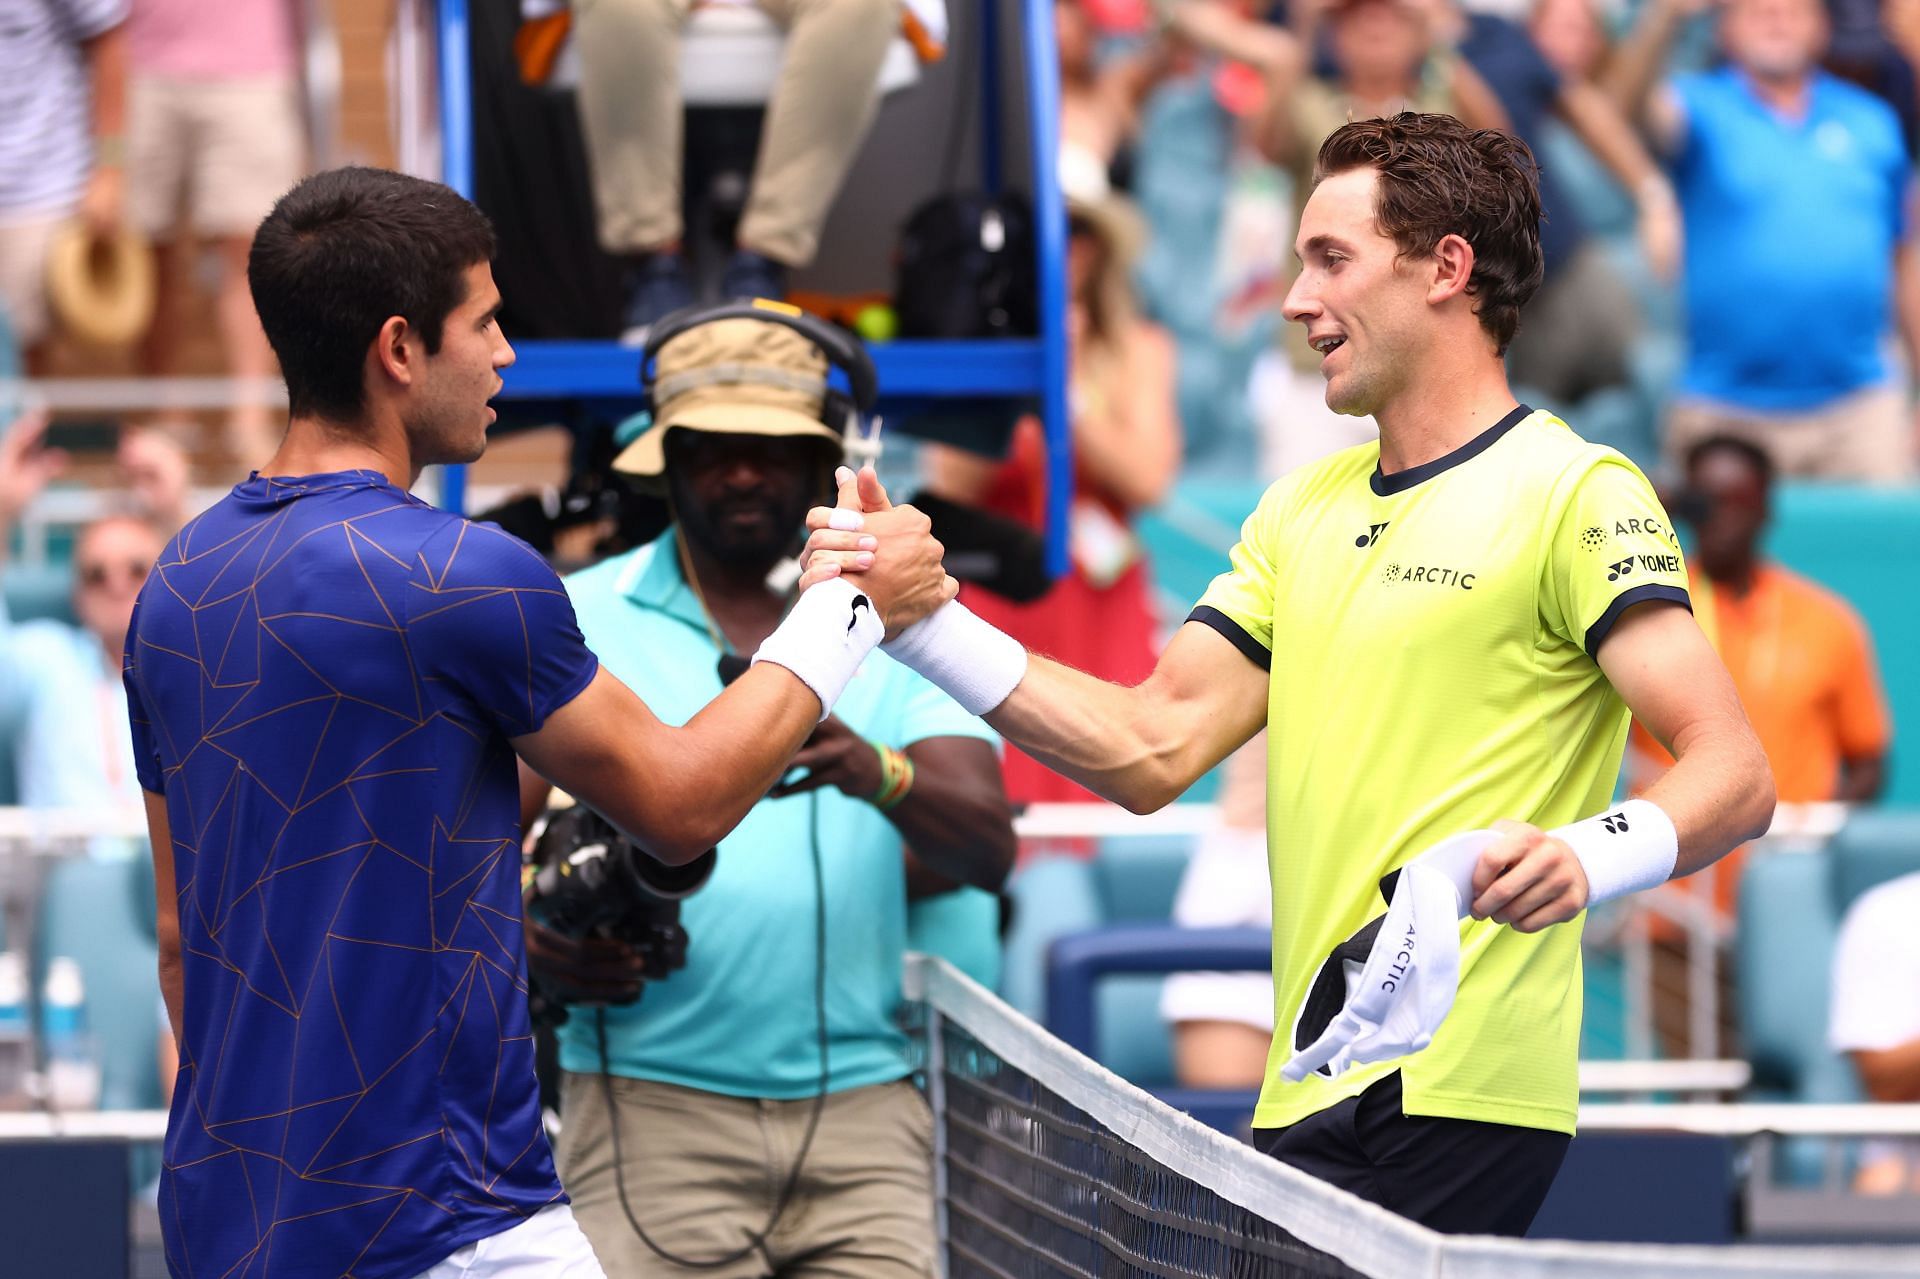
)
(911, 373)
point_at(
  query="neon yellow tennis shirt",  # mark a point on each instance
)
(1431, 637)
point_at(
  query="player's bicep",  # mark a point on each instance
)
(590, 747)
(1660, 663)
(1208, 694)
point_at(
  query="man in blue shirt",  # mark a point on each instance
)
(1799, 265)
(328, 682)
(772, 1065)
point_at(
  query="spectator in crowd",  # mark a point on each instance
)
(214, 137)
(718, 1077)
(1100, 97)
(1804, 666)
(62, 141)
(1126, 441)
(1801, 658)
(631, 113)
(1794, 186)
(65, 716)
(1575, 335)
(1875, 1019)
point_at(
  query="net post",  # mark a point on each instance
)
(937, 1102)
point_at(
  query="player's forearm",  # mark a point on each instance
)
(1719, 793)
(706, 776)
(1106, 737)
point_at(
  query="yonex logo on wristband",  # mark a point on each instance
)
(1615, 823)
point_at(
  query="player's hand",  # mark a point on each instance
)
(27, 465)
(587, 970)
(835, 756)
(1528, 880)
(903, 574)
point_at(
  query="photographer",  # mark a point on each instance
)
(751, 1114)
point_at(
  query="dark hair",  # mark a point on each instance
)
(1440, 178)
(340, 253)
(1746, 450)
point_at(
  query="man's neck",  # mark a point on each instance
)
(736, 594)
(1445, 412)
(317, 446)
(1736, 579)
(1787, 95)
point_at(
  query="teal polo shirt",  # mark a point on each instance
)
(739, 1018)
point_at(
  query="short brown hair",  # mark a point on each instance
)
(1440, 178)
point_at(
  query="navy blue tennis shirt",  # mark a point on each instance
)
(323, 673)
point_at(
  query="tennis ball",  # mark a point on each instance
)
(876, 322)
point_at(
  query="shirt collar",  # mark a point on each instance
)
(652, 579)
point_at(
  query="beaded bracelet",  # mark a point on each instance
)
(896, 777)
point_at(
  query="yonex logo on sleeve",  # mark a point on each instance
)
(1614, 823)
(1372, 534)
(1621, 568)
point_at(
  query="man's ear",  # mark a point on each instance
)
(1452, 269)
(397, 352)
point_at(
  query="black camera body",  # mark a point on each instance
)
(586, 879)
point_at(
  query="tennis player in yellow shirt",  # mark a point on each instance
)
(1443, 632)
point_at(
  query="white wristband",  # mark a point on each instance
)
(829, 632)
(1623, 850)
(971, 660)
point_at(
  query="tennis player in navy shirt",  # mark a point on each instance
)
(329, 681)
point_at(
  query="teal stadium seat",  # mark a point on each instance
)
(100, 913)
(1129, 880)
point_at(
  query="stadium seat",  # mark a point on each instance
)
(90, 911)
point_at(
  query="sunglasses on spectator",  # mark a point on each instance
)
(96, 576)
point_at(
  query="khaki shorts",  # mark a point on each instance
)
(24, 241)
(703, 1172)
(214, 153)
(1866, 436)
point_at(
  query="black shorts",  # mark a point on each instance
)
(1458, 1176)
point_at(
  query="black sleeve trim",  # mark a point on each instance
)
(1598, 632)
(1235, 634)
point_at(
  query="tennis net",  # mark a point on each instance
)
(1049, 1166)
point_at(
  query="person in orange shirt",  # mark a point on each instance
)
(1800, 657)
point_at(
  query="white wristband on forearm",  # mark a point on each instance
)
(1623, 850)
(824, 638)
(966, 657)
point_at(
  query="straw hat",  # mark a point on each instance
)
(734, 376)
(101, 290)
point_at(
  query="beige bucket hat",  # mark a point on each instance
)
(736, 376)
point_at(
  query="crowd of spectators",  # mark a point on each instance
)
(1732, 297)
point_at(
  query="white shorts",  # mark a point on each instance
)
(1226, 885)
(547, 1245)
